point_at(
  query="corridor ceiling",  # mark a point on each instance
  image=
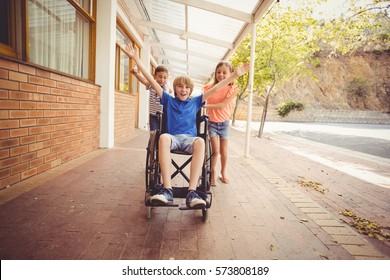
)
(191, 36)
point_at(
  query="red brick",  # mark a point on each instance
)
(18, 114)
(7, 124)
(28, 105)
(36, 130)
(28, 139)
(28, 122)
(43, 73)
(9, 104)
(28, 173)
(43, 89)
(19, 168)
(9, 162)
(10, 180)
(5, 172)
(55, 76)
(35, 146)
(27, 69)
(18, 95)
(7, 64)
(44, 167)
(18, 132)
(18, 150)
(36, 162)
(3, 74)
(7, 143)
(35, 113)
(35, 80)
(28, 87)
(4, 134)
(16, 76)
(27, 157)
(49, 83)
(4, 153)
(4, 114)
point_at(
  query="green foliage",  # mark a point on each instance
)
(358, 87)
(286, 107)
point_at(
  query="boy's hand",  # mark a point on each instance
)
(134, 71)
(130, 51)
(242, 69)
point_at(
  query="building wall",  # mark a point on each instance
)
(125, 112)
(46, 119)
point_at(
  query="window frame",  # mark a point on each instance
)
(19, 32)
(118, 50)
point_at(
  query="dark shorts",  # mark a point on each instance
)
(153, 122)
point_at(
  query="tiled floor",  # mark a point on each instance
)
(93, 208)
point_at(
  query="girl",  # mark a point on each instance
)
(219, 108)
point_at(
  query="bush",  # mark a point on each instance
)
(358, 87)
(286, 107)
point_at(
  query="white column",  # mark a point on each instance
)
(143, 112)
(251, 78)
(105, 68)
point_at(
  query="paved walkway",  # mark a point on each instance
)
(92, 208)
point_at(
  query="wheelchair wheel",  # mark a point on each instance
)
(204, 214)
(151, 172)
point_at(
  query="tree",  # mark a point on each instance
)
(285, 41)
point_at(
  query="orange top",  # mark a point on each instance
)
(223, 114)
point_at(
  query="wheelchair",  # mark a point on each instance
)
(153, 178)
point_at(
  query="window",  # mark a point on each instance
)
(7, 23)
(125, 81)
(57, 34)
(59, 37)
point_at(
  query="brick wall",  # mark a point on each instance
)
(125, 112)
(46, 119)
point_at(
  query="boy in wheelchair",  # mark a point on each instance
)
(181, 130)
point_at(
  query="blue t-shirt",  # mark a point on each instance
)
(181, 115)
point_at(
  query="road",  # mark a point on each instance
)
(351, 163)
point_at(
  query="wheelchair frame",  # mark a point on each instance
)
(153, 179)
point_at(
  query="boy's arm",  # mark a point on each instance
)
(140, 77)
(157, 88)
(241, 70)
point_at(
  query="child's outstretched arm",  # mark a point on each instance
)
(157, 88)
(222, 104)
(139, 77)
(241, 70)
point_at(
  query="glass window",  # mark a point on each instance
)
(125, 81)
(7, 16)
(86, 5)
(58, 37)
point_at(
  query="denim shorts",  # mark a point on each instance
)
(220, 129)
(183, 143)
(153, 122)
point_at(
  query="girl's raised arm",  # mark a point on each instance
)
(241, 70)
(132, 53)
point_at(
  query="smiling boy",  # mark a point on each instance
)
(181, 132)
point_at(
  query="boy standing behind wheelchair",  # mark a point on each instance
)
(161, 77)
(181, 130)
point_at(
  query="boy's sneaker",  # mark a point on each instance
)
(163, 197)
(193, 200)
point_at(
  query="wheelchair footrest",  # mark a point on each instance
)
(149, 203)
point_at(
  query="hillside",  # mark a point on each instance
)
(358, 82)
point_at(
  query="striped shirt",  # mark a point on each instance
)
(154, 100)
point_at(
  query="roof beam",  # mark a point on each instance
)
(215, 8)
(183, 33)
(183, 50)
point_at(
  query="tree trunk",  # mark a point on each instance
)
(238, 101)
(263, 118)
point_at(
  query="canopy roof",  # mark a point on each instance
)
(191, 36)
